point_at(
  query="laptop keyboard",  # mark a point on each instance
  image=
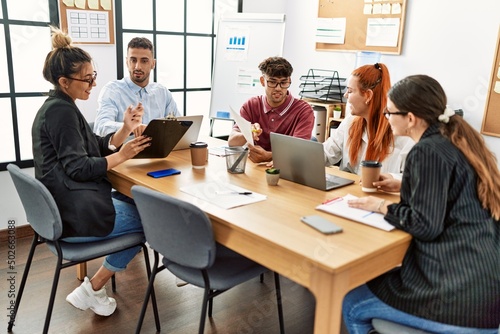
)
(331, 180)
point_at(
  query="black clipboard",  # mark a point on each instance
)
(165, 134)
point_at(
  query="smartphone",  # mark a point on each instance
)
(164, 172)
(321, 224)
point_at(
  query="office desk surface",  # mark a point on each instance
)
(271, 233)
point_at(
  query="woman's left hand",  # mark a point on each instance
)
(370, 203)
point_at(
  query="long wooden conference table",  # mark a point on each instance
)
(270, 232)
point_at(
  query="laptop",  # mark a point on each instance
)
(192, 133)
(165, 134)
(303, 161)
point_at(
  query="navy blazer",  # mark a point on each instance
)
(69, 161)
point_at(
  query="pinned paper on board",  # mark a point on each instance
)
(330, 30)
(88, 21)
(382, 32)
(236, 43)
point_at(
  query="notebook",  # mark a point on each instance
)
(165, 134)
(192, 133)
(303, 161)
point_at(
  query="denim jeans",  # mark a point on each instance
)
(360, 306)
(127, 221)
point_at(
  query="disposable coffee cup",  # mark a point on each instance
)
(370, 172)
(236, 159)
(199, 152)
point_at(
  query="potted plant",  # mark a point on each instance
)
(272, 176)
(337, 112)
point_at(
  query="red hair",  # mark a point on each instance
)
(380, 138)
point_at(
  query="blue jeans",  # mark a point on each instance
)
(360, 306)
(127, 221)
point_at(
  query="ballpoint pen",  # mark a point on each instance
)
(233, 192)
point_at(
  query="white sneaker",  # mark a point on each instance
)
(84, 297)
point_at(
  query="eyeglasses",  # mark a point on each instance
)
(89, 81)
(274, 84)
(388, 114)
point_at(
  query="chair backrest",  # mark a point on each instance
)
(178, 230)
(39, 205)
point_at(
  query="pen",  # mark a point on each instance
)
(331, 200)
(233, 192)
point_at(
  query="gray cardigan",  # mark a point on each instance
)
(451, 271)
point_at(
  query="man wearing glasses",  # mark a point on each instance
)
(276, 111)
(134, 93)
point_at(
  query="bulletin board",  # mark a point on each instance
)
(361, 25)
(88, 21)
(491, 119)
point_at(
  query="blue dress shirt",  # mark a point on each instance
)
(116, 96)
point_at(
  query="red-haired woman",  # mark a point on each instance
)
(366, 134)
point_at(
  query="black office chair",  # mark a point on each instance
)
(183, 234)
(43, 216)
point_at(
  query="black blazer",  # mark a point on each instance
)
(69, 161)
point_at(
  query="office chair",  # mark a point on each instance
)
(183, 234)
(388, 327)
(43, 216)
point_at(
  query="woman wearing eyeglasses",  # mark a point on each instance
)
(72, 163)
(449, 281)
(365, 134)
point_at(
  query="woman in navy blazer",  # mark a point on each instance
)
(72, 163)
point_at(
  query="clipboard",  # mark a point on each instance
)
(165, 134)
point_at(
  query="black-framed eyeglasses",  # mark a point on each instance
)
(274, 84)
(388, 114)
(89, 81)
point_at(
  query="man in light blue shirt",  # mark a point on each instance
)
(133, 93)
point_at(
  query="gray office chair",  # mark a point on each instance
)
(388, 327)
(183, 234)
(43, 216)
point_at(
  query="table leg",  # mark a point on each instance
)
(329, 291)
(81, 270)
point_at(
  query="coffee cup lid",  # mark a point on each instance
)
(198, 144)
(370, 163)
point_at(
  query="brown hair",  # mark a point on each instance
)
(276, 67)
(425, 98)
(380, 138)
(140, 43)
(64, 60)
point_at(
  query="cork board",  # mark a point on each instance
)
(361, 25)
(88, 21)
(491, 119)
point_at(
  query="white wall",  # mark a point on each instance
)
(455, 48)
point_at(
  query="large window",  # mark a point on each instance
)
(183, 32)
(24, 43)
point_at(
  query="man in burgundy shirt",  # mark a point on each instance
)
(277, 111)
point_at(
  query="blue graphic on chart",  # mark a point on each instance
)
(236, 44)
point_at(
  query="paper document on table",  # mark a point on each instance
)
(244, 125)
(224, 195)
(338, 206)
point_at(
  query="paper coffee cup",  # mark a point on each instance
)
(198, 154)
(370, 172)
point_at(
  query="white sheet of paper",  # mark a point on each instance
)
(340, 208)
(223, 195)
(244, 125)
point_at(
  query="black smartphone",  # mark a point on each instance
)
(321, 224)
(164, 172)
